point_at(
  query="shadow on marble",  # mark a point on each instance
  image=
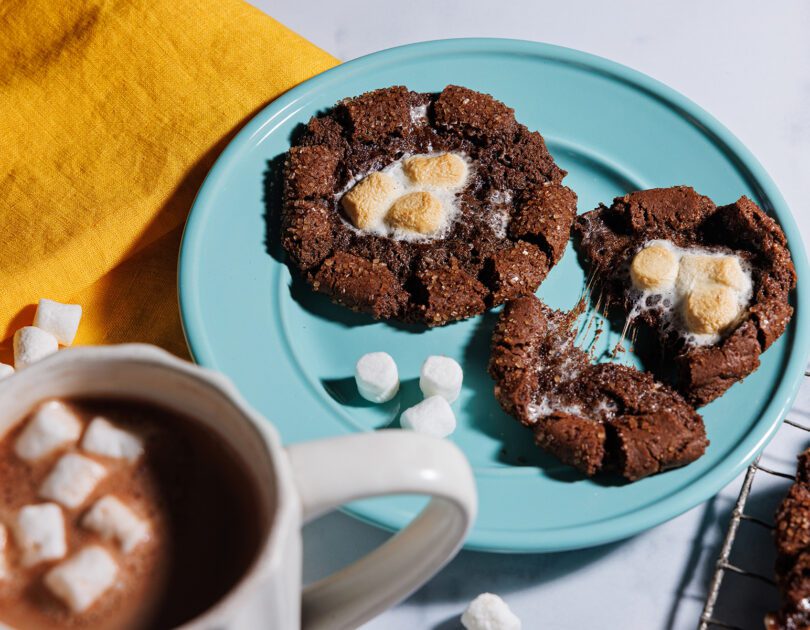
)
(336, 540)
(743, 601)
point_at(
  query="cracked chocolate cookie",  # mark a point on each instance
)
(595, 417)
(423, 207)
(792, 538)
(712, 281)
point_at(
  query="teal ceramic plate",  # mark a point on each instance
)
(291, 352)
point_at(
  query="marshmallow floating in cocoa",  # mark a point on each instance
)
(72, 480)
(52, 426)
(40, 533)
(104, 438)
(112, 519)
(81, 580)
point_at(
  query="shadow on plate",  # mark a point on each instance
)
(344, 392)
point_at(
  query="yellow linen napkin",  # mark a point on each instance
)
(111, 114)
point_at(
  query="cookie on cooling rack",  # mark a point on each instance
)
(713, 281)
(792, 537)
(423, 207)
(595, 417)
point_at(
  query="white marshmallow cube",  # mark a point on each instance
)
(112, 519)
(432, 416)
(72, 480)
(40, 533)
(32, 344)
(377, 377)
(489, 612)
(441, 376)
(104, 438)
(53, 426)
(61, 320)
(3, 545)
(80, 581)
(5, 370)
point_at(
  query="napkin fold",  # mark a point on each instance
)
(111, 114)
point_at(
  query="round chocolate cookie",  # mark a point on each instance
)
(595, 417)
(712, 281)
(423, 207)
(792, 538)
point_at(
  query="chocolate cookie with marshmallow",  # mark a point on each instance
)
(713, 281)
(423, 207)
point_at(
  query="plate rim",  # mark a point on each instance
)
(628, 524)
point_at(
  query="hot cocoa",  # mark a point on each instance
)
(119, 514)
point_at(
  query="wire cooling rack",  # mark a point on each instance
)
(724, 565)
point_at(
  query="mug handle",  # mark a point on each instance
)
(331, 472)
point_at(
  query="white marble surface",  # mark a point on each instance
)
(748, 63)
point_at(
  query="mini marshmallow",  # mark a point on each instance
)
(367, 201)
(698, 270)
(32, 344)
(710, 309)
(432, 416)
(441, 376)
(5, 370)
(40, 533)
(489, 612)
(418, 212)
(80, 581)
(447, 170)
(654, 267)
(3, 545)
(377, 377)
(61, 320)
(53, 426)
(111, 518)
(104, 438)
(72, 480)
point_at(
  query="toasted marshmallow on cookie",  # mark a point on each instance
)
(412, 198)
(418, 212)
(367, 202)
(654, 267)
(701, 293)
(446, 170)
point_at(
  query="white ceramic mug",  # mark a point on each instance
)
(295, 485)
